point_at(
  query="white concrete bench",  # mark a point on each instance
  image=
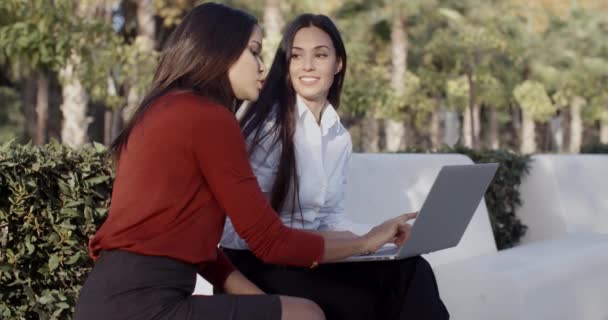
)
(565, 194)
(558, 279)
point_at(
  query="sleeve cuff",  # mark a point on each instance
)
(311, 248)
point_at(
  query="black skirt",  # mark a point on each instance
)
(388, 290)
(125, 285)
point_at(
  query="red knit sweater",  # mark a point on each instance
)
(184, 169)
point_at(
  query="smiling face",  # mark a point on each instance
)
(313, 64)
(246, 74)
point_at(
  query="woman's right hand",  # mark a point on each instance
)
(395, 230)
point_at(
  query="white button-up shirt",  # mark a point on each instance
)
(322, 154)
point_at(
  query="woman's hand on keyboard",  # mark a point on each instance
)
(395, 230)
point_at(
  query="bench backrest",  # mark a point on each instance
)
(382, 186)
(564, 194)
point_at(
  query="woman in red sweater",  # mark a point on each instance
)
(182, 167)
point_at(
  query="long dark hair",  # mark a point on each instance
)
(196, 57)
(277, 104)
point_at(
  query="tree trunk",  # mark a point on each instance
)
(28, 96)
(74, 107)
(42, 107)
(493, 140)
(395, 134)
(107, 127)
(117, 123)
(146, 36)
(273, 23)
(395, 130)
(370, 134)
(467, 127)
(113, 123)
(452, 132)
(576, 125)
(473, 110)
(528, 133)
(476, 125)
(557, 135)
(435, 130)
(399, 47)
(604, 128)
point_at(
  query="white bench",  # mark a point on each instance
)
(558, 279)
(565, 194)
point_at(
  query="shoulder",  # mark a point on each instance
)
(189, 109)
(267, 131)
(343, 136)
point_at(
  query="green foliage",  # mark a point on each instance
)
(458, 92)
(533, 99)
(595, 148)
(53, 199)
(502, 197)
(40, 33)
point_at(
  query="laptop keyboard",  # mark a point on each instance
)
(382, 251)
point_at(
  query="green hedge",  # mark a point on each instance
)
(595, 148)
(502, 197)
(53, 199)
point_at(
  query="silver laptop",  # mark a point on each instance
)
(445, 214)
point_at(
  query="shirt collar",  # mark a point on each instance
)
(329, 116)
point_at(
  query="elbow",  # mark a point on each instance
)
(271, 252)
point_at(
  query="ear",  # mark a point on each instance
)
(338, 66)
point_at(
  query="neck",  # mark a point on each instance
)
(316, 107)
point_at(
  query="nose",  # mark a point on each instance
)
(308, 63)
(261, 66)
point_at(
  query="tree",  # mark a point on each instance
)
(273, 24)
(463, 44)
(36, 35)
(536, 105)
(143, 44)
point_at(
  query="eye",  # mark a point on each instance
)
(321, 55)
(295, 56)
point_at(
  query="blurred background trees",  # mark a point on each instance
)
(523, 75)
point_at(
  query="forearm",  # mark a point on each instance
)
(340, 248)
(236, 283)
(333, 234)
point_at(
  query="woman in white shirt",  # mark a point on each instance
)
(300, 153)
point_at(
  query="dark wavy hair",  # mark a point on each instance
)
(277, 103)
(196, 57)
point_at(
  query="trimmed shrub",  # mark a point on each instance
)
(502, 197)
(52, 200)
(595, 148)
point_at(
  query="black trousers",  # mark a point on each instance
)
(125, 285)
(400, 289)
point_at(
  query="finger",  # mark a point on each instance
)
(404, 234)
(410, 216)
(401, 240)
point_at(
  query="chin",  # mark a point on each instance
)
(253, 97)
(309, 94)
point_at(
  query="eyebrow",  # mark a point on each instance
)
(317, 47)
